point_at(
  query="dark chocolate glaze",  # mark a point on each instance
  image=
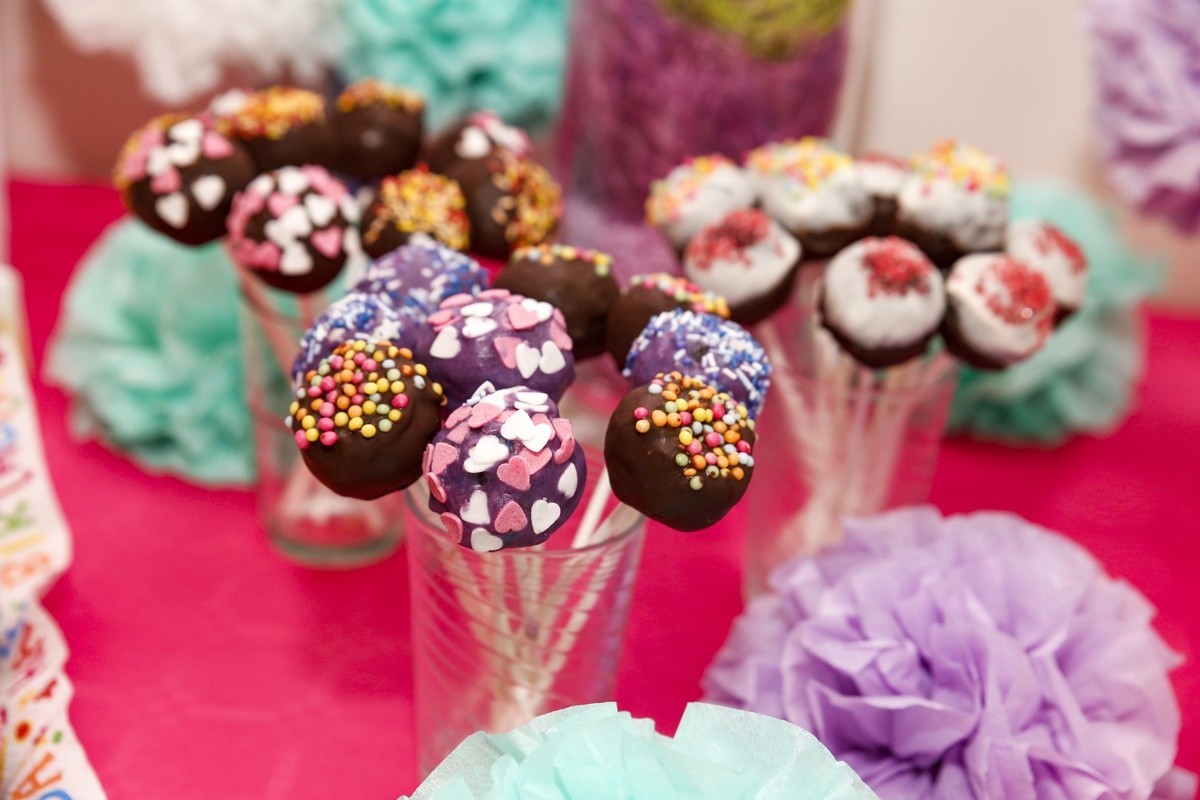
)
(376, 140)
(202, 226)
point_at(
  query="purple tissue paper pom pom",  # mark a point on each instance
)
(1147, 59)
(974, 656)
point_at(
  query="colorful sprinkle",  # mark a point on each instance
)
(419, 201)
(895, 267)
(546, 254)
(374, 92)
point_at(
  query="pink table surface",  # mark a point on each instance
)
(206, 667)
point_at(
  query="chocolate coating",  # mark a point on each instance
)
(577, 282)
(383, 454)
(652, 463)
(377, 130)
(473, 138)
(281, 126)
(648, 296)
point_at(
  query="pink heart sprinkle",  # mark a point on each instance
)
(456, 300)
(458, 416)
(457, 435)
(506, 347)
(562, 427)
(134, 166)
(540, 419)
(535, 461)
(559, 335)
(453, 524)
(324, 183)
(279, 203)
(214, 145)
(166, 181)
(515, 472)
(435, 487)
(511, 518)
(484, 413)
(443, 456)
(328, 242)
(493, 294)
(439, 318)
(565, 450)
(521, 318)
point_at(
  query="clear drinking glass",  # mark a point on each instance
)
(306, 522)
(499, 638)
(838, 439)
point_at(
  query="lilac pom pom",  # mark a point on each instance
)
(1146, 53)
(973, 656)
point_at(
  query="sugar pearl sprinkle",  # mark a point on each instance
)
(373, 92)
(546, 254)
(359, 390)
(810, 161)
(712, 428)
(683, 292)
(418, 200)
(667, 196)
(969, 167)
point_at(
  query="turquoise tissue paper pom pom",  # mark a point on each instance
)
(596, 752)
(463, 55)
(147, 344)
(1083, 381)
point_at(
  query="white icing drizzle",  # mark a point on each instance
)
(971, 283)
(1029, 241)
(881, 319)
(750, 272)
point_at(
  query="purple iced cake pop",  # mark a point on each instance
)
(499, 337)
(421, 274)
(504, 471)
(721, 352)
(357, 315)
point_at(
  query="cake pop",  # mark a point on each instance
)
(576, 281)
(704, 346)
(280, 126)
(363, 418)
(814, 191)
(499, 337)
(999, 310)
(747, 258)
(377, 129)
(511, 202)
(504, 471)
(416, 201)
(178, 175)
(474, 138)
(954, 202)
(294, 228)
(883, 300)
(695, 194)
(648, 296)
(883, 175)
(680, 451)
(1051, 252)
(356, 315)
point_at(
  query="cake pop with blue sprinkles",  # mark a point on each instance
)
(721, 352)
(356, 315)
(421, 274)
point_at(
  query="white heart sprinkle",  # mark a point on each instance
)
(569, 481)
(552, 358)
(295, 220)
(292, 180)
(484, 542)
(352, 246)
(537, 440)
(485, 454)
(190, 130)
(485, 393)
(483, 309)
(527, 359)
(446, 344)
(518, 427)
(157, 161)
(183, 154)
(264, 184)
(474, 327)
(532, 401)
(209, 191)
(543, 515)
(172, 209)
(320, 209)
(473, 143)
(542, 310)
(476, 509)
(295, 260)
(349, 208)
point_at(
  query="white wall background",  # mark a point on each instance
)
(1012, 76)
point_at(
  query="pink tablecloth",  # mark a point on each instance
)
(206, 667)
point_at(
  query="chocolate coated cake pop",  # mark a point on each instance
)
(1059, 258)
(280, 126)
(363, 418)
(646, 297)
(377, 129)
(413, 202)
(680, 451)
(999, 310)
(696, 194)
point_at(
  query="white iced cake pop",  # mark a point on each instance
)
(883, 300)
(1061, 261)
(1000, 310)
(695, 194)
